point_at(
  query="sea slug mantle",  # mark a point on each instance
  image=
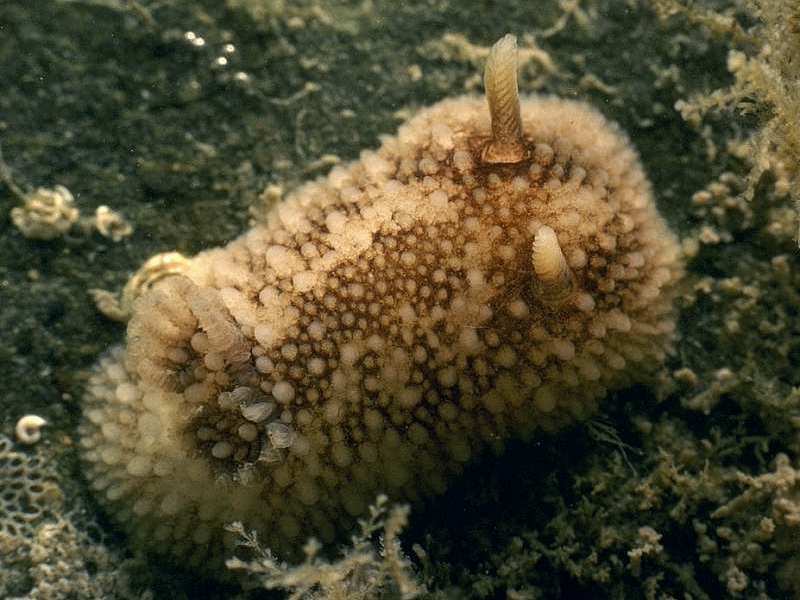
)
(484, 273)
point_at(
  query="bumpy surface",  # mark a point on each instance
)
(51, 549)
(26, 496)
(45, 214)
(382, 326)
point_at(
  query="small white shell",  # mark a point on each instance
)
(258, 412)
(28, 429)
(280, 435)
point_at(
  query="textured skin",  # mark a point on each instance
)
(381, 327)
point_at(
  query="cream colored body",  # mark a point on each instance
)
(385, 324)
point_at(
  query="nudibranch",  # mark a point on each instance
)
(485, 273)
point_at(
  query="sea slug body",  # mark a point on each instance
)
(483, 274)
